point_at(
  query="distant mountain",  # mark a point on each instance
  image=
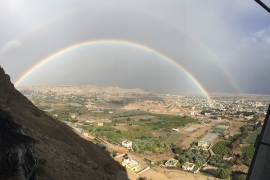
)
(82, 89)
(68, 156)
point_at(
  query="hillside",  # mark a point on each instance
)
(83, 89)
(68, 156)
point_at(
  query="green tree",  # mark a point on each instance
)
(113, 153)
(178, 165)
(241, 177)
(223, 173)
(243, 129)
(178, 150)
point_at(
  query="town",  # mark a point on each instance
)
(161, 135)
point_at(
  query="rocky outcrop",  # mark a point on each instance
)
(67, 155)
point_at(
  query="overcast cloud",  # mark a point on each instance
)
(223, 44)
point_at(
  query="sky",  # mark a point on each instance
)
(218, 46)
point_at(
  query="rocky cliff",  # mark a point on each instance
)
(67, 155)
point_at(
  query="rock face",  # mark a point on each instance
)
(67, 155)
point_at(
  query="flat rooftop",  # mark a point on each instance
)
(222, 127)
(131, 162)
(190, 129)
(171, 162)
(209, 137)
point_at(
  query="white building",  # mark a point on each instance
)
(127, 144)
(171, 163)
(188, 166)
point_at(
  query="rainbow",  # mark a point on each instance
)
(120, 42)
(48, 21)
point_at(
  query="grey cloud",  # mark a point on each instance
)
(199, 35)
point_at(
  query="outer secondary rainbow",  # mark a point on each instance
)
(121, 42)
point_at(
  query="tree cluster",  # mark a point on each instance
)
(195, 156)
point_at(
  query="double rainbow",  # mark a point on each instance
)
(119, 42)
(7, 47)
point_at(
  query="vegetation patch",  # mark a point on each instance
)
(131, 113)
(223, 173)
(138, 132)
(195, 156)
(248, 154)
(253, 137)
(170, 121)
(149, 144)
(249, 149)
(247, 157)
(173, 138)
(218, 161)
(112, 136)
(222, 148)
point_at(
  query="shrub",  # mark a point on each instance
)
(223, 173)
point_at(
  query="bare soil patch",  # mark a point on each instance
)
(122, 127)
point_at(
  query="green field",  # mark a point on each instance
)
(222, 148)
(253, 137)
(137, 132)
(173, 138)
(249, 149)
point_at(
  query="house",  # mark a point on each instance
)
(100, 123)
(130, 163)
(171, 163)
(248, 117)
(203, 144)
(127, 144)
(188, 166)
(227, 158)
(73, 116)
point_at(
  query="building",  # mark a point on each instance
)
(100, 124)
(171, 163)
(130, 163)
(203, 144)
(73, 116)
(188, 166)
(248, 117)
(227, 157)
(127, 144)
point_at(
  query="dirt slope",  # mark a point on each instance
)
(68, 156)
